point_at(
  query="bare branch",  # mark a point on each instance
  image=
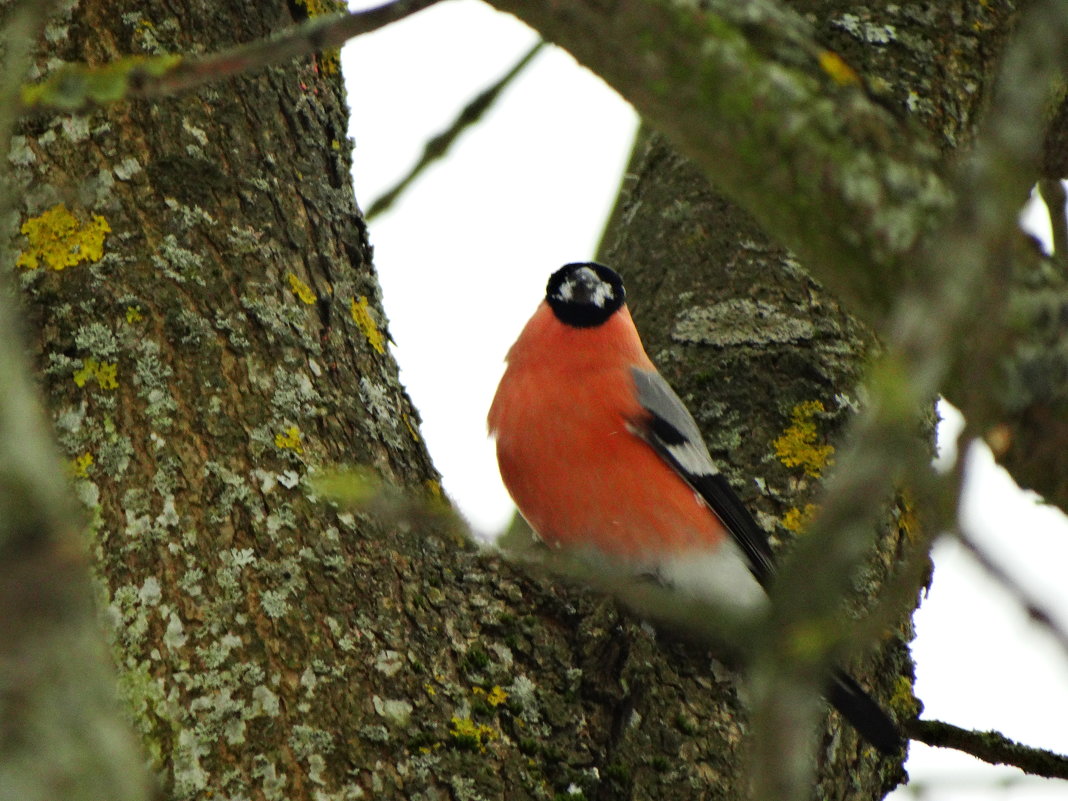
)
(990, 746)
(77, 87)
(700, 77)
(966, 257)
(1031, 605)
(439, 145)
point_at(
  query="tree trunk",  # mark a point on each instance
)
(209, 332)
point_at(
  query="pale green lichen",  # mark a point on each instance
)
(274, 603)
(178, 263)
(272, 781)
(382, 406)
(136, 501)
(152, 378)
(230, 490)
(128, 617)
(99, 340)
(283, 322)
(294, 395)
(127, 168)
(388, 662)
(150, 592)
(741, 321)
(308, 740)
(284, 518)
(75, 129)
(242, 557)
(194, 330)
(21, 154)
(395, 710)
(264, 702)
(190, 216)
(189, 776)
(175, 637)
(190, 582)
(142, 694)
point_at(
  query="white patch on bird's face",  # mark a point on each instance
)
(599, 292)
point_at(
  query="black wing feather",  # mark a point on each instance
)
(671, 431)
(728, 507)
(863, 713)
(720, 497)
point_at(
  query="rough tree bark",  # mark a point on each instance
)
(209, 333)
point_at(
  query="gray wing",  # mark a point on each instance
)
(673, 433)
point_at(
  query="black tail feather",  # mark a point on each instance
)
(867, 717)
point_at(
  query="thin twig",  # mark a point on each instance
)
(439, 145)
(76, 87)
(1031, 605)
(991, 747)
(934, 499)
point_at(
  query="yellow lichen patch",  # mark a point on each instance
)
(835, 66)
(496, 696)
(408, 422)
(799, 444)
(797, 520)
(317, 8)
(330, 60)
(433, 486)
(134, 315)
(79, 466)
(289, 440)
(908, 523)
(57, 239)
(106, 374)
(361, 315)
(300, 289)
(468, 734)
(904, 700)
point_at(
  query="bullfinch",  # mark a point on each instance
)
(601, 456)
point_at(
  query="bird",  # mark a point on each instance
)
(602, 458)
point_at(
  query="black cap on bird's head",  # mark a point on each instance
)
(585, 294)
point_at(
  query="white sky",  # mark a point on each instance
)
(463, 260)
